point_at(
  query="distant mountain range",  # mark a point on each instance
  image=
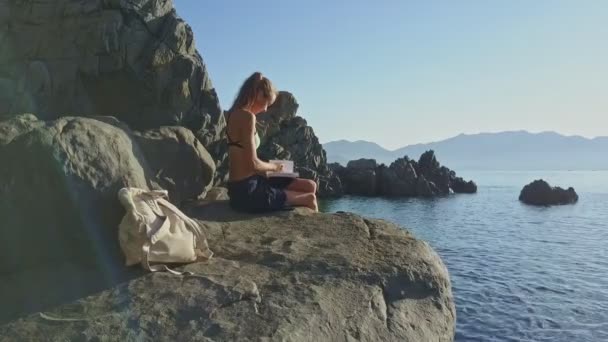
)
(517, 150)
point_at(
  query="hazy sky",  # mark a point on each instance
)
(399, 72)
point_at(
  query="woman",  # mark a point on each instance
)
(248, 188)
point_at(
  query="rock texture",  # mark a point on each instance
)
(179, 161)
(289, 277)
(540, 192)
(361, 177)
(404, 177)
(58, 186)
(135, 60)
(284, 135)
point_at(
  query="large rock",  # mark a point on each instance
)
(459, 185)
(540, 192)
(59, 210)
(285, 135)
(424, 188)
(399, 179)
(362, 164)
(178, 160)
(285, 108)
(360, 177)
(135, 60)
(428, 163)
(289, 277)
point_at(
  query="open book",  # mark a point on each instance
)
(287, 169)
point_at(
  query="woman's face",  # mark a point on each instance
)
(262, 104)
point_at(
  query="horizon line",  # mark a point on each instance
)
(471, 134)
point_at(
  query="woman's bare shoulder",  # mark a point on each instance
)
(241, 117)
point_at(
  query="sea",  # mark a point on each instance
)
(518, 272)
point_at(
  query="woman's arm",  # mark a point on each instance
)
(258, 164)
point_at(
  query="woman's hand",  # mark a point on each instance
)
(278, 167)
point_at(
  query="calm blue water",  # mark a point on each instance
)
(519, 273)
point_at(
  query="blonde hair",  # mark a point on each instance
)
(253, 86)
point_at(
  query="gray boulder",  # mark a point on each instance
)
(289, 277)
(179, 161)
(58, 185)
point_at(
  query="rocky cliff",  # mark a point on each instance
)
(134, 60)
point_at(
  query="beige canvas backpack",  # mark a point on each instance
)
(155, 231)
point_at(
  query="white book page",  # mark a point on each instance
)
(287, 169)
(287, 165)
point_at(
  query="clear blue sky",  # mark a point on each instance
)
(398, 72)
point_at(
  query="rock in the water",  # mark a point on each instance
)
(135, 60)
(540, 192)
(428, 162)
(404, 177)
(360, 177)
(459, 185)
(289, 277)
(178, 160)
(424, 187)
(58, 186)
(399, 179)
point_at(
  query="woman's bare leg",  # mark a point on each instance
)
(304, 199)
(303, 185)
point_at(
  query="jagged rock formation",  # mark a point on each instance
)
(134, 60)
(404, 177)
